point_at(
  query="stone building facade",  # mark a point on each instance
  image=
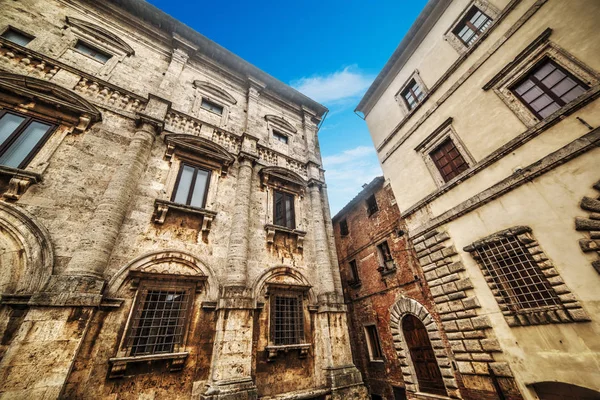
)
(383, 285)
(164, 222)
(485, 120)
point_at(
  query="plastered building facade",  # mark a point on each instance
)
(485, 120)
(164, 223)
(383, 283)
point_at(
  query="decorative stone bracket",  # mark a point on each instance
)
(272, 229)
(591, 225)
(118, 365)
(20, 181)
(273, 350)
(161, 208)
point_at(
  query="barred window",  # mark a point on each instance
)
(516, 274)
(287, 318)
(344, 227)
(413, 94)
(373, 345)
(159, 320)
(548, 87)
(472, 26)
(448, 160)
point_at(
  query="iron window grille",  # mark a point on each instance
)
(283, 209)
(372, 207)
(515, 272)
(92, 51)
(413, 94)
(344, 228)
(16, 36)
(448, 160)
(280, 137)
(354, 276)
(210, 106)
(472, 26)
(287, 318)
(191, 186)
(21, 137)
(547, 87)
(386, 256)
(373, 344)
(159, 321)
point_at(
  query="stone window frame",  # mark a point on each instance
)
(213, 93)
(431, 142)
(140, 281)
(569, 310)
(302, 291)
(283, 180)
(280, 126)
(370, 346)
(484, 6)
(525, 61)
(416, 76)
(9, 27)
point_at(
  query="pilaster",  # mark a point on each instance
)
(255, 87)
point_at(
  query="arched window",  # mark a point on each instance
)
(428, 373)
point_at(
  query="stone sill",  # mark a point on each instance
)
(272, 229)
(19, 182)
(386, 271)
(431, 396)
(161, 208)
(272, 350)
(355, 284)
(118, 365)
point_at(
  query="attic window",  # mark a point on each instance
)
(280, 137)
(92, 52)
(212, 107)
(17, 37)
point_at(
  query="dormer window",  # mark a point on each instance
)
(16, 36)
(92, 51)
(212, 107)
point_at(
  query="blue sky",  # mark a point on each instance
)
(330, 50)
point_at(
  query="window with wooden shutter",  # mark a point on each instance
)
(448, 160)
(283, 209)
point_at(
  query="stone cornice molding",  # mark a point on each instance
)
(198, 145)
(100, 33)
(283, 174)
(216, 91)
(280, 123)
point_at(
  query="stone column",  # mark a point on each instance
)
(94, 249)
(237, 256)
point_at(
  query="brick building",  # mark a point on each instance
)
(390, 306)
(164, 223)
(486, 123)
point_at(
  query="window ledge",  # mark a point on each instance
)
(272, 350)
(377, 361)
(19, 182)
(272, 229)
(386, 271)
(118, 365)
(161, 208)
(354, 284)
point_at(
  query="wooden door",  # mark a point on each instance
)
(422, 355)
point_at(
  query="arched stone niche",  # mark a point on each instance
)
(407, 306)
(26, 254)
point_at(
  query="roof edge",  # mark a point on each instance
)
(428, 17)
(360, 196)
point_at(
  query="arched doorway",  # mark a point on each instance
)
(428, 373)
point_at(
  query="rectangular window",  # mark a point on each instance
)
(516, 274)
(280, 137)
(470, 28)
(355, 278)
(373, 343)
(21, 138)
(17, 37)
(210, 106)
(412, 95)
(548, 87)
(191, 187)
(372, 205)
(287, 318)
(283, 209)
(159, 320)
(344, 227)
(448, 160)
(385, 255)
(92, 51)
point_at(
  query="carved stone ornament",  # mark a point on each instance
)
(161, 208)
(206, 149)
(272, 229)
(17, 186)
(279, 175)
(280, 123)
(215, 91)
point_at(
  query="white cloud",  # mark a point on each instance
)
(338, 86)
(346, 172)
